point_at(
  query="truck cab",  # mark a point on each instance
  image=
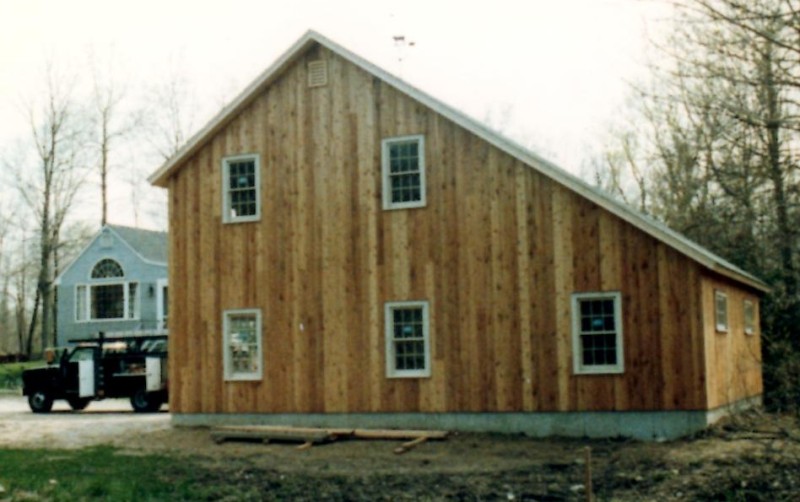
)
(98, 368)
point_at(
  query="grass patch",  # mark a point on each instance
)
(102, 473)
(11, 374)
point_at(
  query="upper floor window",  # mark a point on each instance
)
(721, 311)
(403, 166)
(597, 333)
(240, 189)
(107, 268)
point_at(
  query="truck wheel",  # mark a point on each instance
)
(145, 402)
(77, 403)
(40, 402)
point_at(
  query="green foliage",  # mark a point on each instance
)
(717, 129)
(11, 374)
(101, 473)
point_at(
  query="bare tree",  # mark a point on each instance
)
(5, 281)
(110, 121)
(720, 129)
(49, 188)
(171, 114)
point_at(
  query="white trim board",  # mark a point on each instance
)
(648, 225)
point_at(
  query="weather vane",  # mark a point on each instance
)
(400, 44)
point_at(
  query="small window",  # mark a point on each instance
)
(749, 317)
(721, 311)
(80, 303)
(403, 165)
(106, 269)
(242, 349)
(407, 340)
(133, 303)
(82, 354)
(597, 333)
(241, 193)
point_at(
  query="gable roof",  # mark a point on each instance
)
(644, 223)
(149, 245)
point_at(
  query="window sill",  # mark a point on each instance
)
(600, 370)
(420, 374)
(113, 319)
(243, 378)
(251, 219)
(406, 205)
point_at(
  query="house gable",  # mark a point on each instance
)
(141, 279)
(530, 159)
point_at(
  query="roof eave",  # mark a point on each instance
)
(160, 177)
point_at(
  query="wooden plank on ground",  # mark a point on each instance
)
(397, 434)
(274, 435)
(410, 444)
(309, 436)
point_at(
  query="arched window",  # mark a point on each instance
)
(108, 296)
(107, 268)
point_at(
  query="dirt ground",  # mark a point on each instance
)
(756, 457)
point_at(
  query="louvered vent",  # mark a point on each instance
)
(317, 73)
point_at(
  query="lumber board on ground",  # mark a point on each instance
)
(313, 435)
(274, 435)
(397, 434)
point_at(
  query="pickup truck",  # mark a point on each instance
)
(98, 368)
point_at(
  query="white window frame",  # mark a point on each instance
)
(227, 217)
(391, 370)
(162, 286)
(387, 186)
(721, 327)
(749, 325)
(81, 297)
(229, 374)
(85, 290)
(577, 347)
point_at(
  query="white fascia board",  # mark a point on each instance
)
(57, 281)
(159, 177)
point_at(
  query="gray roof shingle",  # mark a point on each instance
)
(150, 244)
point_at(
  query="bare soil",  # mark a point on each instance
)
(755, 457)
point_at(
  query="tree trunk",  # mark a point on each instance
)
(104, 172)
(785, 237)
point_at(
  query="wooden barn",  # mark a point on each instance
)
(346, 250)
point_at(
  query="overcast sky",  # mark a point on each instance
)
(556, 70)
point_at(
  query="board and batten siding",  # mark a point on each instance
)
(497, 252)
(733, 357)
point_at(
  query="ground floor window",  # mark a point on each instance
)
(407, 339)
(108, 301)
(597, 333)
(242, 344)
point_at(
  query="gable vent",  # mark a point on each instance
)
(317, 73)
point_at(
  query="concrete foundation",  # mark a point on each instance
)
(642, 425)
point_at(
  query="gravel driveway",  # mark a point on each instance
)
(103, 422)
